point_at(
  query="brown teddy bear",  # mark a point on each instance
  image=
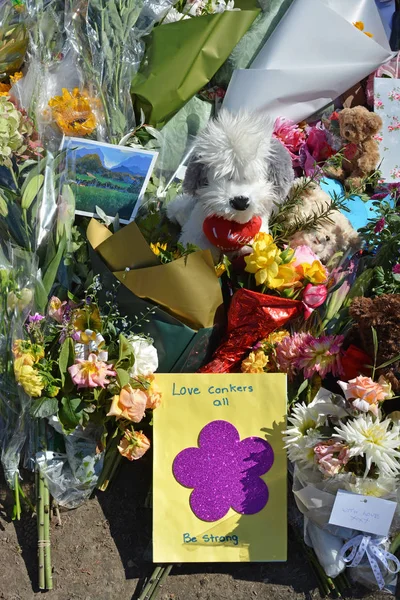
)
(382, 313)
(361, 152)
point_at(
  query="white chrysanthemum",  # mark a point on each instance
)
(301, 437)
(373, 439)
(146, 357)
(381, 487)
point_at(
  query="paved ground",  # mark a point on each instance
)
(101, 552)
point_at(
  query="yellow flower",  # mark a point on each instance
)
(255, 362)
(28, 352)
(16, 77)
(287, 276)
(157, 247)
(73, 113)
(87, 318)
(264, 260)
(276, 337)
(315, 273)
(30, 380)
(220, 269)
(5, 89)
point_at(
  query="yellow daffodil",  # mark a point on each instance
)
(287, 276)
(73, 113)
(314, 273)
(255, 362)
(264, 260)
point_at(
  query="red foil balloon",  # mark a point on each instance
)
(252, 316)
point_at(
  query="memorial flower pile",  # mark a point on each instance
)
(91, 310)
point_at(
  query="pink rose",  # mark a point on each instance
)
(331, 456)
(364, 394)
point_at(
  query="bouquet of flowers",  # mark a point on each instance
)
(347, 442)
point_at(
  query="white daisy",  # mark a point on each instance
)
(301, 436)
(373, 439)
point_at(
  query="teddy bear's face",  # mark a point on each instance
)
(358, 124)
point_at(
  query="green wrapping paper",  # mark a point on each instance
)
(182, 57)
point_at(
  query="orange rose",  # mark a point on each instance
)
(130, 404)
(364, 393)
(153, 393)
(133, 445)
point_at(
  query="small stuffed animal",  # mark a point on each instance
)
(237, 175)
(361, 152)
(331, 234)
(382, 313)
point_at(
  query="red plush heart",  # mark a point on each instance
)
(230, 235)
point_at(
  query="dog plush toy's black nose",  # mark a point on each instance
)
(239, 202)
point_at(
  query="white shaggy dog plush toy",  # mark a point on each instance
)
(237, 174)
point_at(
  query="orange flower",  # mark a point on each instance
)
(133, 445)
(153, 393)
(5, 89)
(129, 404)
(73, 113)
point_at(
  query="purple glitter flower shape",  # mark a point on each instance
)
(224, 472)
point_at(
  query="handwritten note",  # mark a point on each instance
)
(363, 513)
(219, 487)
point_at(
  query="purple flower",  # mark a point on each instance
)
(380, 225)
(35, 318)
(396, 269)
(224, 472)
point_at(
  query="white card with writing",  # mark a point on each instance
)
(363, 513)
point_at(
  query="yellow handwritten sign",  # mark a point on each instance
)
(220, 468)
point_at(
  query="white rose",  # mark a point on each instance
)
(146, 358)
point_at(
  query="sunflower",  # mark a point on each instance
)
(73, 113)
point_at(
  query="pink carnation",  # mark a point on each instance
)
(90, 373)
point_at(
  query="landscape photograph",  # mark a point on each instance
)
(110, 177)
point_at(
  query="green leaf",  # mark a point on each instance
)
(388, 362)
(52, 269)
(66, 358)
(70, 413)
(123, 377)
(31, 191)
(375, 342)
(44, 407)
(125, 348)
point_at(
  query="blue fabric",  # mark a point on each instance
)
(360, 211)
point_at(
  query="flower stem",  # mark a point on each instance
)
(17, 505)
(112, 461)
(40, 522)
(47, 547)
